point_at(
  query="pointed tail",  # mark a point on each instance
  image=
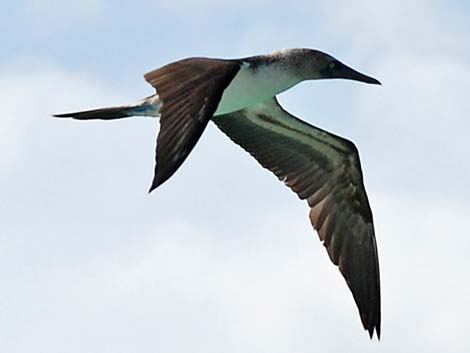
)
(146, 107)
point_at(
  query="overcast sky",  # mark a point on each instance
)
(222, 258)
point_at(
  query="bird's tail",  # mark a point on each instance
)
(146, 107)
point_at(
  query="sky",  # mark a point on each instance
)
(222, 257)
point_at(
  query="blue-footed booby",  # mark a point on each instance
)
(239, 96)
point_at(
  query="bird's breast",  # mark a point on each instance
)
(252, 86)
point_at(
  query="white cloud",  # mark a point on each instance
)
(272, 288)
(222, 257)
(29, 97)
(59, 10)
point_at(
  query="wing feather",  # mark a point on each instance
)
(325, 170)
(190, 91)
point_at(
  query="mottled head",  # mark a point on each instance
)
(315, 65)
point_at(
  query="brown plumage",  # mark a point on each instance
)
(190, 91)
(325, 170)
(322, 168)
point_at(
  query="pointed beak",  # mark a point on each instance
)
(350, 74)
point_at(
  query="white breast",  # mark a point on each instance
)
(253, 86)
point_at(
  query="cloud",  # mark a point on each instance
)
(71, 10)
(417, 124)
(268, 287)
(414, 125)
(29, 97)
(222, 257)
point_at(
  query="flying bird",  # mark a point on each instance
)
(239, 96)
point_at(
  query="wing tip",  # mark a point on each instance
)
(371, 327)
(371, 332)
(157, 181)
(153, 186)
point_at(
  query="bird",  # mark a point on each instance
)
(240, 97)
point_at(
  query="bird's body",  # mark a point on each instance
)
(239, 96)
(251, 84)
(254, 85)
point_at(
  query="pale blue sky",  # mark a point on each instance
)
(222, 258)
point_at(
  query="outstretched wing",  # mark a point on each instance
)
(325, 170)
(190, 91)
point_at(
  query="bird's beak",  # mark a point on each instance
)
(350, 74)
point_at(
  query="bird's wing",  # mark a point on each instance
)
(190, 91)
(325, 170)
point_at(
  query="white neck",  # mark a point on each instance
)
(254, 85)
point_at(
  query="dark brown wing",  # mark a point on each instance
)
(190, 91)
(325, 170)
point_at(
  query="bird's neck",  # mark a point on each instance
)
(256, 82)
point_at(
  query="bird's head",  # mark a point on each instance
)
(317, 65)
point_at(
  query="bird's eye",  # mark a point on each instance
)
(332, 65)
